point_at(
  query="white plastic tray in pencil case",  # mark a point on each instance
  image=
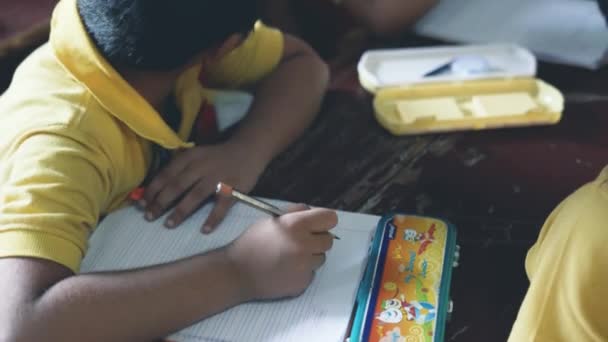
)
(425, 90)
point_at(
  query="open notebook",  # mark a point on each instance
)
(125, 240)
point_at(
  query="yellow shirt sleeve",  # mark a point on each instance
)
(54, 188)
(568, 272)
(255, 58)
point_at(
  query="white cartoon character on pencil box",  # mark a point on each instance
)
(394, 308)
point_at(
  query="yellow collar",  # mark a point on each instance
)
(78, 54)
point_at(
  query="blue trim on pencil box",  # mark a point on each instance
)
(369, 316)
(364, 293)
(446, 279)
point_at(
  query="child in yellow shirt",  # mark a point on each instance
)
(568, 272)
(93, 114)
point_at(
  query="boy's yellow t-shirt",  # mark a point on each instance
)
(75, 138)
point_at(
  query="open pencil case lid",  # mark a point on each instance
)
(450, 88)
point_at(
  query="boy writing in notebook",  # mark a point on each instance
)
(91, 114)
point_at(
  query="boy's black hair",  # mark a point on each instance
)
(162, 34)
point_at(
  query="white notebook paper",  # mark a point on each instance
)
(563, 31)
(124, 240)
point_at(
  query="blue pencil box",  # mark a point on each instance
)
(404, 294)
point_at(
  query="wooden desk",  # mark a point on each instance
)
(496, 186)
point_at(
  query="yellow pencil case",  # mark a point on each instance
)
(452, 88)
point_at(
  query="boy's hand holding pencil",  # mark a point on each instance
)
(277, 257)
(225, 190)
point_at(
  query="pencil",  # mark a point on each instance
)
(228, 191)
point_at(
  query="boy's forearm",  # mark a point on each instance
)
(285, 104)
(140, 305)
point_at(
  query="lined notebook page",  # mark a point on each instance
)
(124, 240)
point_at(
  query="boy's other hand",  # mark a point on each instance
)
(191, 178)
(277, 257)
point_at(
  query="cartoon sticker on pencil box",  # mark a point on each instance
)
(390, 315)
(411, 264)
(394, 310)
(408, 290)
(393, 335)
(411, 271)
(425, 239)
